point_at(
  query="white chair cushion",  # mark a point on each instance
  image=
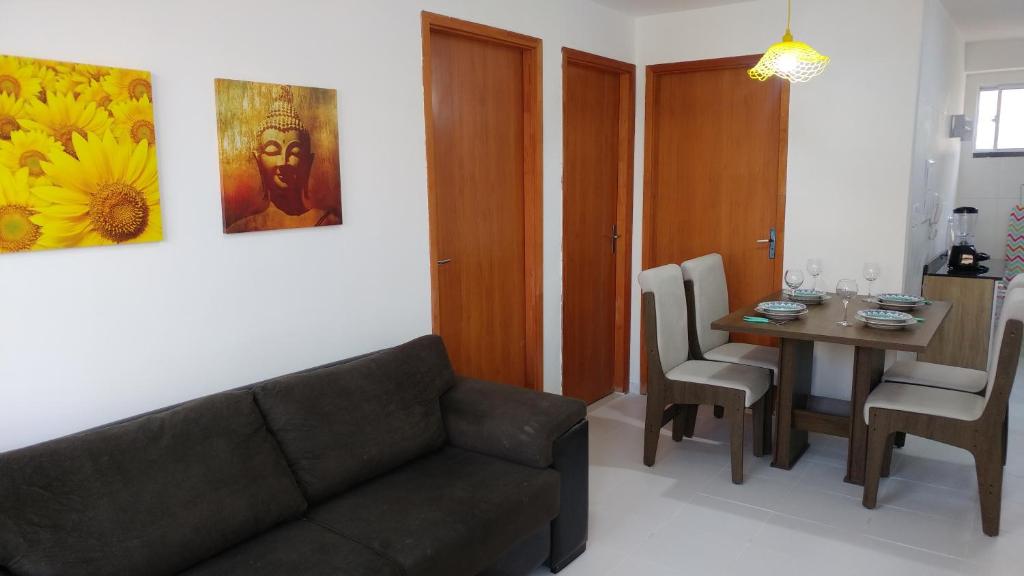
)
(748, 354)
(752, 380)
(710, 298)
(937, 376)
(666, 283)
(925, 400)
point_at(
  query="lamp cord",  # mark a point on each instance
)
(788, 37)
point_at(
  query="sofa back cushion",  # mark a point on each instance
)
(343, 424)
(151, 496)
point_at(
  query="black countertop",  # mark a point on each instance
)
(938, 267)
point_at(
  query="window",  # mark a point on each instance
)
(1000, 129)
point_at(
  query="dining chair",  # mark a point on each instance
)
(707, 297)
(677, 384)
(969, 421)
(948, 377)
(941, 376)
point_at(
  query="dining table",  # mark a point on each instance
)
(798, 411)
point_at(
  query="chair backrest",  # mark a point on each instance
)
(1003, 371)
(1015, 283)
(665, 283)
(710, 298)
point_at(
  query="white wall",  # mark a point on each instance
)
(936, 157)
(992, 55)
(92, 335)
(992, 185)
(851, 132)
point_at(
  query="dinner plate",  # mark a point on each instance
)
(892, 298)
(894, 317)
(886, 325)
(782, 307)
(806, 295)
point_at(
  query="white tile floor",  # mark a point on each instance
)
(684, 516)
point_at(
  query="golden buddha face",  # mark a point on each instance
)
(284, 159)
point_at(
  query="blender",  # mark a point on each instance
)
(964, 258)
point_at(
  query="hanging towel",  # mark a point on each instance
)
(1015, 243)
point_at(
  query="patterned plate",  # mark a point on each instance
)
(895, 306)
(900, 299)
(885, 316)
(886, 325)
(782, 307)
(806, 295)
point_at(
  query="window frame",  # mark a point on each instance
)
(996, 152)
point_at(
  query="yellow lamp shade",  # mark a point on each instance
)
(794, 61)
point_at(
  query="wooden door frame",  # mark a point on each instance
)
(533, 184)
(650, 167)
(623, 202)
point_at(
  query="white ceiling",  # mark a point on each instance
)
(987, 19)
(976, 19)
(648, 7)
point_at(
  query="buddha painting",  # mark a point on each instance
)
(279, 156)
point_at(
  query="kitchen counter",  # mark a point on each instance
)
(938, 267)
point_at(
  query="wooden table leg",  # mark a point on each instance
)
(795, 371)
(868, 365)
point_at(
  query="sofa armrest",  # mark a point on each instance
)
(507, 422)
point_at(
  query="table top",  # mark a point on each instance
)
(819, 325)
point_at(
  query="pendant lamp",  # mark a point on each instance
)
(794, 61)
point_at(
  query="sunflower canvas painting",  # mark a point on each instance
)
(77, 156)
(279, 165)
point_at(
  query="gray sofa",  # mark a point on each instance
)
(385, 464)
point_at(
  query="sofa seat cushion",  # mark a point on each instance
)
(299, 547)
(152, 496)
(343, 424)
(453, 512)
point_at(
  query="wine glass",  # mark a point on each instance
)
(814, 269)
(846, 289)
(794, 278)
(872, 270)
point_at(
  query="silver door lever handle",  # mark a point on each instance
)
(445, 261)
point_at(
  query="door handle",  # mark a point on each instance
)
(770, 241)
(443, 261)
(615, 237)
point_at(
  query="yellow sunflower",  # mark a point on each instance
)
(17, 208)
(133, 120)
(94, 92)
(77, 78)
(124, 84)
(18, 78)
(109, 194)
(62, 116)
(49, 78)
(27, 149)
(10, 110)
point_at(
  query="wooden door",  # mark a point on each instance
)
(715, 171)
(598, 119)
(482, 106)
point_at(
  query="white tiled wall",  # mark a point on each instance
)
(992, 185)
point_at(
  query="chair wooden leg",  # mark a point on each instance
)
(691, 420)
(1006, 433)
(735, 414)
(719, 412)
(652, 426)
(990, 487)
(878, 443)
(679, 423)
(901, 440)
(890, 447)
(762, 425)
